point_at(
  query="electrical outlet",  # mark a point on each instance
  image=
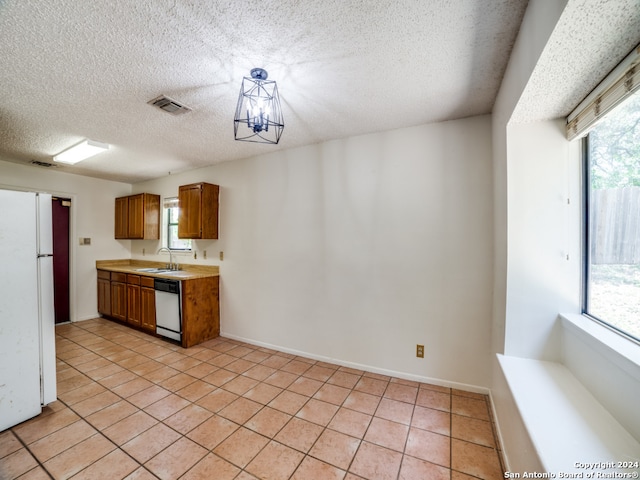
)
(221, 255)
(420, 351)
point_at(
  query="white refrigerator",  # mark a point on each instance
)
(27, 330)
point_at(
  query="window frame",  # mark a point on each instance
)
(586, 226)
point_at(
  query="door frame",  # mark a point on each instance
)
(72, 255)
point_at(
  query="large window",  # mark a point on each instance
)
(612, 167)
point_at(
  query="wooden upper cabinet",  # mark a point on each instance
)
(122, 215)
(198, 216)
(138, 217)
(136, 222)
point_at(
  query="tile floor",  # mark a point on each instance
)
(135, 407)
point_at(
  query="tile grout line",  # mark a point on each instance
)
(242, 469)
(360, 375)
(26, 447)
(325, 382)
(451, 432)
(117, 447)
(83, 418)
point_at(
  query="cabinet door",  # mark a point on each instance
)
(148, 308)
(122, 215)
(151, 224)
(209, 214)
(119, 300)
(190, 216)
(133, 305)
(104, 296)
(136, 216)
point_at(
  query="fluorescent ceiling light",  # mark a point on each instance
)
(81, 151)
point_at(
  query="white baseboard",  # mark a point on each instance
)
(366, 368)
(89, 317)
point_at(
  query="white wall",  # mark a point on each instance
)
(92, 215)
(536, 170)
(543, 274)
(510, 294)
(538, 24)
(358, 249)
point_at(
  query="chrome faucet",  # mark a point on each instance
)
(171, 265)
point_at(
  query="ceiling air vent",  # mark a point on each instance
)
(38, 163)
(169, 105)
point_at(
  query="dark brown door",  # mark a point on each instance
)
(60, 211)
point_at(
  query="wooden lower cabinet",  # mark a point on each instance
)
(147, 304)
(131, 299)
(119, 296)
(104, 292)
(200, 310)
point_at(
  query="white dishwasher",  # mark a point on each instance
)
(168, 308)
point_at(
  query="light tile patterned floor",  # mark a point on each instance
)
(135, 407)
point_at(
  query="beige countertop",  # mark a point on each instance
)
(186, 272)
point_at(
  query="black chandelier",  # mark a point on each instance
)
(258, 113)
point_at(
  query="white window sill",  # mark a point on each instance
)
(617, 349)
(565, 423)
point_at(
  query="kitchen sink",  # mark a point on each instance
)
(176, 273)
(164, 271)
(154, 270)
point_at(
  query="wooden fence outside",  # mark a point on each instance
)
(615, 226)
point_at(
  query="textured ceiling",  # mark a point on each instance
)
(72, 69)
(590, 39)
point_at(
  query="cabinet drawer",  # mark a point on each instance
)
(146, 282)
(119, 277)
(104, 275)
(133, 279)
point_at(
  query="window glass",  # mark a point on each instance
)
(612, 287)
(171, 226)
